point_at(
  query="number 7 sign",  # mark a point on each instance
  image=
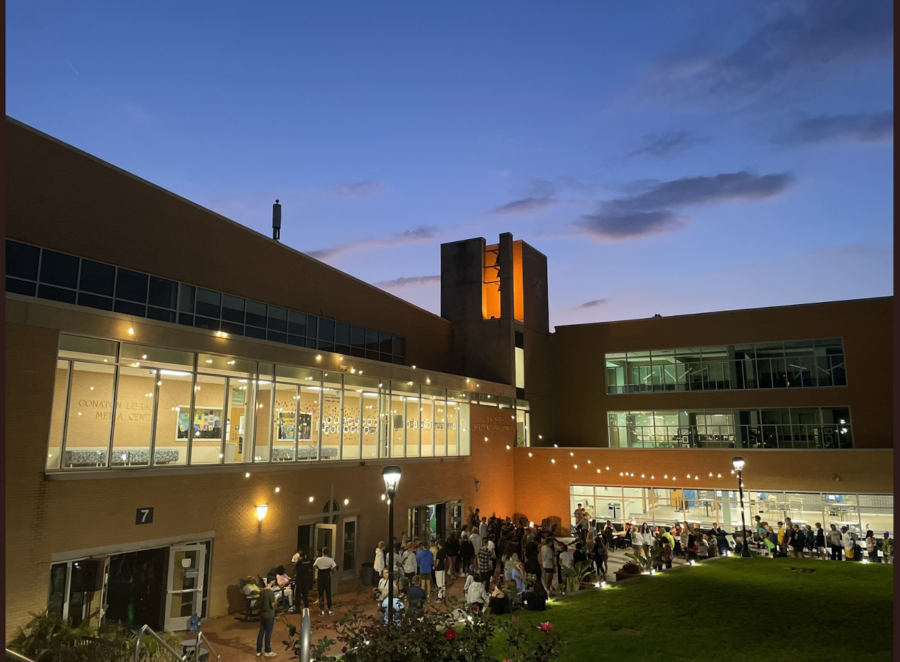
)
(144, 516)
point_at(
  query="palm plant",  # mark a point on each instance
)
(647, 562)
(575, 574)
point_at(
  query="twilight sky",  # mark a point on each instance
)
(667, 157)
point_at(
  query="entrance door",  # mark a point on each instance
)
(103, 568)
(185, 587)
(440, 516)
(326, 536)
(348, 560)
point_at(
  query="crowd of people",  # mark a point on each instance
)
(793, 540)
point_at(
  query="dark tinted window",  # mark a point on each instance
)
(399, 347)
(163, 293)
(233, 308)
(277, 336)
(358, 337)
(256, 315)
(206, 323)
(22, 260)
(398, 360)
(233, 328)
(131, 286)
(297, 340)
(20, 287)
(341, 334)
(186, 304)
(253, 332)
(161, 314)
(56, 294)
(277, 319)
(358, 351)
(130, 308)
(187, 320)
(371, 340)
(326, 330)
(94, 301)
(97, 278)
(59, 269)
(385, 343)
(209, 303)
(296, 323)
(311, 324)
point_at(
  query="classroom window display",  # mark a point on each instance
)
(777, 427)
(666, 506)
(790, 364)
(47, 274)
(119, 405)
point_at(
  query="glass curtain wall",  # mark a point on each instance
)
(668, 505)
(804, 427)
(118, 405)
(790, 364)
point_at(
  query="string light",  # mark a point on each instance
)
(530, 454)
(552, 461)
(576, 466)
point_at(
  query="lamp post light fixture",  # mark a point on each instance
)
(391, 476)
(738, 464)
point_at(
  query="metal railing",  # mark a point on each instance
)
(12, 656)
(140, 640)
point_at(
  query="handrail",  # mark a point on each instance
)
(204, 638)
(305, 633)
(13, 656)
(140, 638)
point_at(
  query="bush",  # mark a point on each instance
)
(435, 635)
(631, 568)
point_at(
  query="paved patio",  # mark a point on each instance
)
(234, 639)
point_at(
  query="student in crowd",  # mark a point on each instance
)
(398, 606)
(820, 541)
(491, 543)
(579, 556)
(703, 547)
(872, 547)
(283, 584)
(722, 540)
(685, 540)
(781, 536)
(667, 554)
(518, 576)
(788, 539)
(691, 547)
(303, 578)
(452, 548)
(441, 563)
(251, 590)
(476, 540)
(416, 595)
(408, 564)
(601, 555)
(380, 557)
(485, 565)
(809, 542)
(548, 564)
(425, 561)
(887, 547)
(381, 592)
(646, 539)
(836, 543)
(849, 544)
(498, 603)
(324, 565)
(509, 559)
(475, 592)
(466, 553)
(266, 619)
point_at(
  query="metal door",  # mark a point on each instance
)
(184, 596)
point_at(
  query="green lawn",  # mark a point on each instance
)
(733, 609)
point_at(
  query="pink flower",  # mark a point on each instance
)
(546, 626)
(450, 634)
(344, 649)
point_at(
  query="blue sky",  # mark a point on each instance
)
(668, 158)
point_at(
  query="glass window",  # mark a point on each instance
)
(341, 334)
(256, 314)
(263, 421)
(94, 301)
(209, 303)
(206, 323)
(92, 349)
(131, 286)
(97, 278)
(398, 423)
(163, 293)
(464, 432)
(399, 345)
(22, 260)
(296, 323)
(312, 323)
(331, 417)
(56, 294)
(351, 423)
(58, 415)
(309, 421)
(173, 415)
(89, 416)
(233, 309)
(358, 337)
(284, 430)
(17, 286)
(188, 292)
(207, 423)
(426, 424)
(59, 269)
(253, 332)
(277, 319)
(385, 341)
(134, 417)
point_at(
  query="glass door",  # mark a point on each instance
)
(348, 560)
(185, 586)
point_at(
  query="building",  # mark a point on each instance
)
(189, 402)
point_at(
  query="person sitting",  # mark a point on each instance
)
(416, 595)
(383, 584)
(499, 601)
(283, 586)
(397, 607)
(251, 591)
(474, 590)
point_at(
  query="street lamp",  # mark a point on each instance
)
(738, 464)
(391, 477)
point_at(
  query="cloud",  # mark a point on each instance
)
(415, 236)
(857, 128)
(798, 39)
(592, 304)
(365, 189)
(525, 205)
(668, 144)
(650, 212)
(408, 281)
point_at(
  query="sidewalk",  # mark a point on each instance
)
(235, 639)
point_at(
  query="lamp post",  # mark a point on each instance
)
(738, 464)
(391, 476)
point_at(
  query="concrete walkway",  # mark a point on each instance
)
(235, 639)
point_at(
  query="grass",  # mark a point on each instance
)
(733, 609)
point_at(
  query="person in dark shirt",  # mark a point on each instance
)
(440, 570)
(304, 578)
(416, 595)
(266, 618)
(579, 555)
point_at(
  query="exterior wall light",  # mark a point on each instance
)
(261, 511)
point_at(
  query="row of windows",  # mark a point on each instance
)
(47, 274)
(783, 427)
(128, 405)
(792, 364)
(680, 502)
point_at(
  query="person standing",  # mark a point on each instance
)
(836, 543)
(601, 555)
(408, 565)
(266, 619)
(304, 578)
(548, 564)
(781, 537)
(441, 563)
(809, 542)
(485, 566)
(425, 561)
(466, 553)
(452, 549)
(380, 558)
(887, 547)
(476, 540)
(509, 560)
(325, 565)
(849, 544)
(872, 547)
(820, 541)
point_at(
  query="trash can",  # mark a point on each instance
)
(368, 574)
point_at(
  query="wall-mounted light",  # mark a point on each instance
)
(130, 331)
(346, 502)
(261, 511)
(247, 475)
(311, 499)
(277, 490)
